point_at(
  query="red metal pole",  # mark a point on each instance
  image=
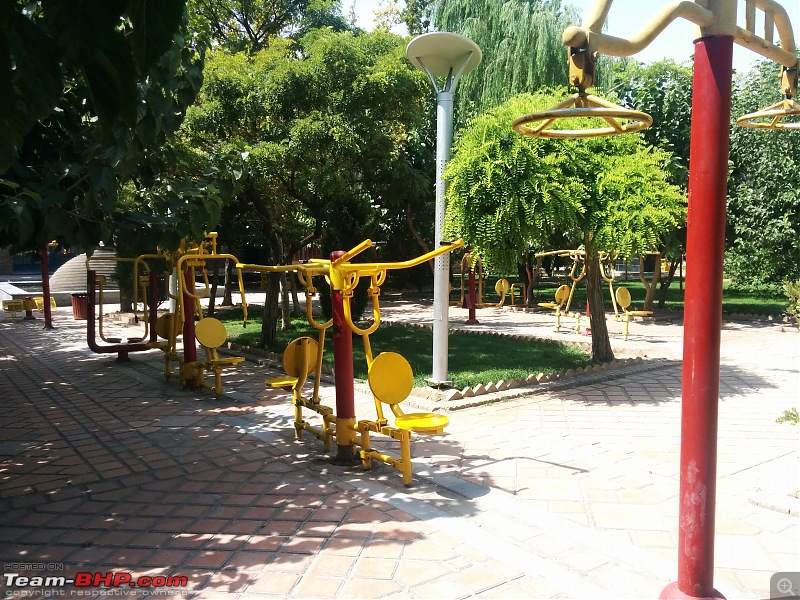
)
(189, 345)
(48, 314)
(343, 376)
(708, 175)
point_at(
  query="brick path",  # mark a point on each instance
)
(564, 494)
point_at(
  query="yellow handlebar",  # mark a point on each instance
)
(344, 276)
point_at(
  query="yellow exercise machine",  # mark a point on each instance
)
(607, 272)
(390, 376)
(624, 300)
(165, 330)
(471, 262)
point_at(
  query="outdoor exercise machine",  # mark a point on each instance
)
(162, 332)
(185, 316)
(95, 284)
(390, 376)
(473, 281)
(623, 297)
(708, 171)
(578, 257)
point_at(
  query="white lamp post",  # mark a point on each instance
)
(446, 55)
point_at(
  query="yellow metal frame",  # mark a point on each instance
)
(712, 17)
(344, 276)
(211, 334)
(302, 357)
(472, 261)
(624, 300)
(39, 300)
(502, 287)
(13, 307)
(391, 381)
(143, 281)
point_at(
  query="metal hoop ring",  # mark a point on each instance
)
(638, 121)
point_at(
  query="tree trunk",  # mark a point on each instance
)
(269, 325)
(227, 299)
(417, 236)
(297, 310)
(601, 344)
(533, 275)
(286, 309)
(650, 286)
(662, 292)
(212, 295)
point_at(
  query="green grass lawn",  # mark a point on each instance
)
(473, 358)
(764, 302)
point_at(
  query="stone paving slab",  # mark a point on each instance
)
(565, 494)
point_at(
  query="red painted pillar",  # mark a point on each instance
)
(48, 314)
(189, 345)
(28, 304)
(708, 176)
(343, 378)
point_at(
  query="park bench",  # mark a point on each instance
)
(391, 381)
(13, 307)
(562, 295)
(300, 359)
(623, 297)
(211, 334)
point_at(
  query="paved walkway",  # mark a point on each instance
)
(565, 492)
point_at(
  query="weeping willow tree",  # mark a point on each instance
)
(521, 44)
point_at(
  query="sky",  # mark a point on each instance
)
(626, 17)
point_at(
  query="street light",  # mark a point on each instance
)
(449, 56)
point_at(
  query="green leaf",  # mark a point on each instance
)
(154, 24)
(111, 77)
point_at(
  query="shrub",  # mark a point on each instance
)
(792, 291)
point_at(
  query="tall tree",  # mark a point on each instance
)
(243, 25)
(763, 225)
(664, 91)
(508, 192)
(520, 41)
(327, 126)
(119, 101)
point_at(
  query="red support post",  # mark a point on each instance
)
(708, 174)
(48, 313)
(28, 304)
(343, 376)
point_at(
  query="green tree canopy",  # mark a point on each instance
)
(763, 224)
(95, 47)
(520, 41)
(327, 128)
(119, 100)
(508, 192)
(663, 90)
